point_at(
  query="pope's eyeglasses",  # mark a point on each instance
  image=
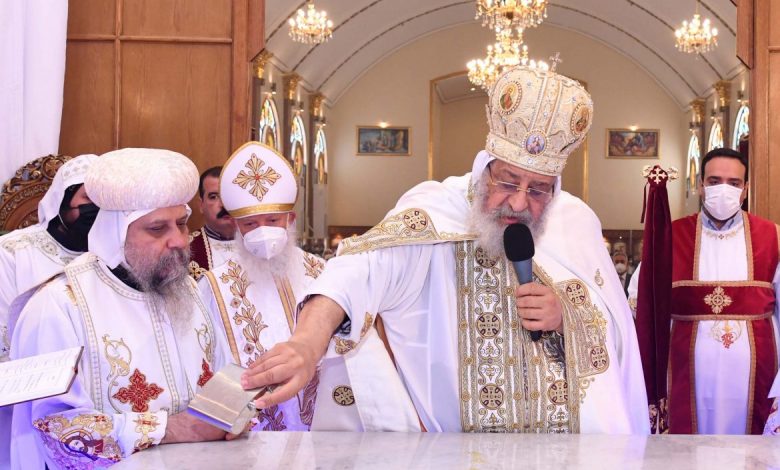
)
(541, 192)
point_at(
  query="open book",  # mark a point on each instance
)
(224, 403)
(41, 376)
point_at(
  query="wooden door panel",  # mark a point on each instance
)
(92, 17)
(88, 101)
(188, 84)
(178, 18)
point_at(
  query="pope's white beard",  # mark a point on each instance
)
(165, 281)
(488, 226)
(279, 265)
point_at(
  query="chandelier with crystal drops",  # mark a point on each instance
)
(696, 36)
(483, 72)
(507, 52)
(511, 14)
(312, 27)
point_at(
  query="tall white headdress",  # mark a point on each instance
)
(129, 183)
(537, 118)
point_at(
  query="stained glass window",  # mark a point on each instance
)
(321, 157)
(268, 128)
(741, 126)
(692, 171)
(716, 136)
(298, 145)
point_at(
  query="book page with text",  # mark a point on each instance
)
(39, 376)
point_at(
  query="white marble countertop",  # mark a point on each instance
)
(292, 450)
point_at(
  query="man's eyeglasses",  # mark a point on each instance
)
(538, 192)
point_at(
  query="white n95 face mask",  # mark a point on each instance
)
(621, 268)
(266, 242)
(722, 200)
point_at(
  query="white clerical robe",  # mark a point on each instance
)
(409, 271)
(773, 422)
(633, 290)
(416, 292)
(723, 384)
(136, 370)
(28, 257)
(221, 250)
(253, 312)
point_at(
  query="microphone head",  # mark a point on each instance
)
(518, 243)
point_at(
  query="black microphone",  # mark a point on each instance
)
(519, 248)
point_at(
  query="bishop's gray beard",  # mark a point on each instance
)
(279, 265)
(487, 224)
(165, 281)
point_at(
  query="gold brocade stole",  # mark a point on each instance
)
(242, 318)
(509, 383)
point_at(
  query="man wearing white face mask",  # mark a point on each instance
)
(724, 337)
(621, 266)
(253, 296)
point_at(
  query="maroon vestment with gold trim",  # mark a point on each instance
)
(694, 301)
(200, 260)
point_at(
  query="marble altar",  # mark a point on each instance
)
(294, 450)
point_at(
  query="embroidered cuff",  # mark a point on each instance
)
(142, 430)
(96, 444)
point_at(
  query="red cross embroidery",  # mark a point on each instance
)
(139, 393)
(206, 375)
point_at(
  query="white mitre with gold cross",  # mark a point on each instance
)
(537, 118)
(257, 180)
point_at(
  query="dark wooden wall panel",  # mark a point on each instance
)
(764, 99)
(88, 110)
(172, 74)
(772, 187)
(178, 18)
(745, 32)
(181, 83)
(91, 17)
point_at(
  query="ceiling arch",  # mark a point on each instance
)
(642, 30)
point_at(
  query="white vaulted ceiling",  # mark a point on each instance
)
(366, 31)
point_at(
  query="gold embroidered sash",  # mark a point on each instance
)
(510, 383)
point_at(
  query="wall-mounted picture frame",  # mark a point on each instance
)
(384, 141)
(635, 144)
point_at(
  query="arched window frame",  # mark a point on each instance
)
(692, 166)
(298, 138)
(716, 136)
(321, 153)
(269, 123)
(741, 125)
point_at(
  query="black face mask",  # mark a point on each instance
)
(76, 233)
